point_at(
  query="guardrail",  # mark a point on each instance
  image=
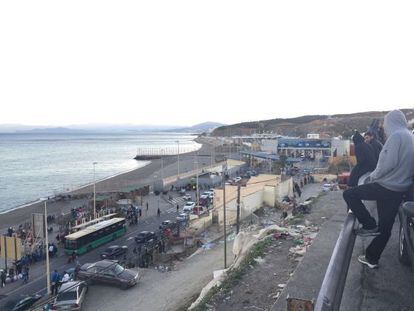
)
(330, 294)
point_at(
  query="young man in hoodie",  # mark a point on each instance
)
(365, 159)
(390, 180)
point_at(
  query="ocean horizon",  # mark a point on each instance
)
(40, 165)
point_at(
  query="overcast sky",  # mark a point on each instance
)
(185, 62)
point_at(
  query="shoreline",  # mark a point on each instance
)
(115, 183)
(42, 199)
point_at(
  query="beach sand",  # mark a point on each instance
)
(140, 176)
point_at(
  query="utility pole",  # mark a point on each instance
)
(224, 215)
(47, 252)
(197, 193)
(238, 208)
(94, 191)
(162, 165)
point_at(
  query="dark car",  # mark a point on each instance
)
(114, 251)
(22, 304)
(166, 224)
(406, 240)
(145, 236)
(109, 272)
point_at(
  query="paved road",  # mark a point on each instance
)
(37, 282)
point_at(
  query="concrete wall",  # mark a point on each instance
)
(260, 190)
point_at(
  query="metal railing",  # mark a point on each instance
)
(330, 294)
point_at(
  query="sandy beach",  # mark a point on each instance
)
(138, 177)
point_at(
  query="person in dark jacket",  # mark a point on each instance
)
(371, 140)
(365, 157)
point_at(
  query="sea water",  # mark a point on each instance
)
(40, 165)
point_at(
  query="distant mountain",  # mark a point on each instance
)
(52, 130)
(326, 125)
(205, 127)
(108, 128)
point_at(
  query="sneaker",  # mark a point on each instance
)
(362, 259)
(367, 232)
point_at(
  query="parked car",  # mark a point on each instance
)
(166, 224)
(183, 217)
(406, 238)
(109, 272)
(188, 207)
(145, 236)
(204, 196)
(186, 197)
(22, 304)
(237, 179)
(114, 251)
(70, 296)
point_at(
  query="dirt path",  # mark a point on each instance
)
(159, 291)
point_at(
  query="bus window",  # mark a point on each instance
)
(70, 244)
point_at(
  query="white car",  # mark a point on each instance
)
(70, 296)
(237, 179)
(182, 217)
(186, 197)
(188, 207)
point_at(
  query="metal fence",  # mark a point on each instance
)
(330, 294)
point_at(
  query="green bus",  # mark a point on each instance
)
(95, 235)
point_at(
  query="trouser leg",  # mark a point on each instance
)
(387, 211)
(354, 196)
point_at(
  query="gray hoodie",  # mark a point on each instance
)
(395, 168)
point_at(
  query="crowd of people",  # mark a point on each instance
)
(386, 159)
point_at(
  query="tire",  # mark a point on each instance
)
(402, 248)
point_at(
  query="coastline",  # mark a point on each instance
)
(136, 177)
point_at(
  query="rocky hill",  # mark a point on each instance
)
(326, 125)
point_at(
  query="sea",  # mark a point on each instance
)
(37, 165)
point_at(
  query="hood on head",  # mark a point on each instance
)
(357, 138)
(394, 121)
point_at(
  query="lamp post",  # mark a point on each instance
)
(94, 191)
(178, 159)
(47, 252)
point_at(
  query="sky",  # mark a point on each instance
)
(186, 62)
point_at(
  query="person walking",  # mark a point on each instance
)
(178, 208)
(365, 159)
(3, 278)
(25, 274)
(297, 189)
(55, 282)
(158, 212)
(391, 179)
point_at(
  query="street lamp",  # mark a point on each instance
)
(47, 250)
(178, 159)
(94, 191)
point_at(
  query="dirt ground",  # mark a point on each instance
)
(260, 286)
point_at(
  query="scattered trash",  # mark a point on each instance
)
(259, 260)
(298, 250)
(298, 242)
(208, 246)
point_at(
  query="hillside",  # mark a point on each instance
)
(198, 128)
(333, 125)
